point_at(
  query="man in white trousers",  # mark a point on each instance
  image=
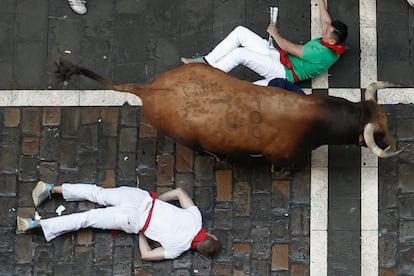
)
(294, 62)
(134, 211)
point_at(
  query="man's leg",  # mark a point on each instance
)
(103, 196)
(239, 37)
(267, 66)
(113, 218)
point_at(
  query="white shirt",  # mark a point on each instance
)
(173, 227)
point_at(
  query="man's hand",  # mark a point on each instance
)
(180, 195)
(147, 253)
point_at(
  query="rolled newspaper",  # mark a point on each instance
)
(273, 20)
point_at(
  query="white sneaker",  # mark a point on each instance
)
(192, 60)
(78, 6)
(411, 2)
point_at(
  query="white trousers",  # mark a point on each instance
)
(126, 210)
(245, 47)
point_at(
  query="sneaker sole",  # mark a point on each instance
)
(22, 225)
(37, 191)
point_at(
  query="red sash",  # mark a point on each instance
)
(286, 61)
(147, 222)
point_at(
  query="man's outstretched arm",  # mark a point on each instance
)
(180, 195)
(283, 43)
(324, 15)
(147, 253)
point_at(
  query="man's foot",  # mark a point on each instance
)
(78, 6)
(41, 192)
(24, 224)
(193, 60)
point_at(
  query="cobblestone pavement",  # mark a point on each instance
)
(263, 218)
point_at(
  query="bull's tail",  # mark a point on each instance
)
(65, 70)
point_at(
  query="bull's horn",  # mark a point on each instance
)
(371, 91)
(370, 141)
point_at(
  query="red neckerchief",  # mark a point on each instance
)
(337, 48)
(201, 236)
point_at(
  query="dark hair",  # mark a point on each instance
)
(209, 247)
(340, 31)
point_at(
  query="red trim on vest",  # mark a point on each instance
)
(201, 236)
(147, 221)
(337, 48)
(284, 59)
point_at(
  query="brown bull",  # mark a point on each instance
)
(207, 109)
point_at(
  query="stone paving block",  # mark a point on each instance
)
(126, 167)
(31, 121)
(261, 243)
(107, 153)
(241, 230)
(184, 158)
(222, 269)
(242, 199)
(64, 253)
(280, 257)
(406, 178)
(280, 232)
(122, 260)
(128, 139)
(300, 221)
(88, 137)
(68, 154)
(165, 169)
(28, 168)
(49, 144)
(43, 257)
(204, 198)
(109, 121)
(387, 191)
(70, 122)
(387, 248)
(87, 166)
(8, 159)
(165, 144)
(223, 219)
(280, 197)
(261, 209)
(203, 167)
(20, 269)
(7, 261)
(299, 270)
(23, 248)
(103, 248)
(64, 269)
(146, 130)
(84, 260)
(51, 116)
(109, 179)
(25, 194)
(183, 261)
(8, 187)
(6, 240)
(387, 271)
(146, 153)
(129, 115)
(48, 171)
(301, 190)
(11, 117)
(30, 145)
(406, 231)
(406, 259)
(261, 179)
(406, 203)
(185, 181)
(84, 237)
(224, 185)
(259, 267)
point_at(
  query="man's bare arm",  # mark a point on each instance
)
(324, 15)
(180, 195)
(284, 44)
(147, 253)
